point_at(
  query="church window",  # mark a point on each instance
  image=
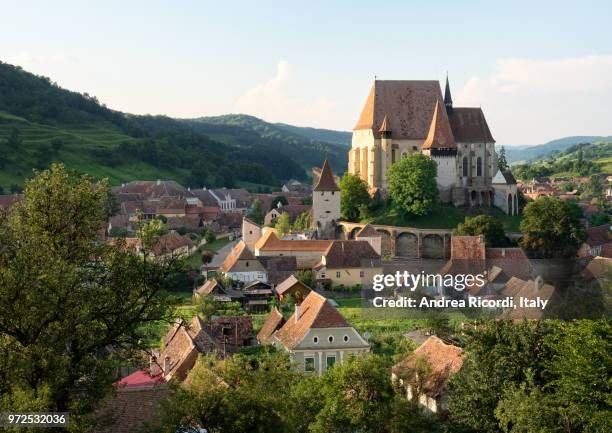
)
(479, 166)
(465, 166)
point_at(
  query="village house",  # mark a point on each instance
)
(296, 186)
(307, 252)
(221, 336)
(214, 288)
(242, 265)
(257, 295)
(279, 268)
(597, 237)
(425, 372)
(232, 200)
(294, 288)
(173, 245)
(371, 236)
(348, 263)
(292, 210)
(470, 256)
(251, 232)
(518, 289)
(316, 336)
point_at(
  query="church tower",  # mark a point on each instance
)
(448, 100)
(326, 204)
(440, 146)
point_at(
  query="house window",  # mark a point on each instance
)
(330, 338)
(315, 339)
(247, 264)
(337, 274)
(346, 338)
(332, 192)
(322, 275)
(361, 274)
(250, 232)
(331, 360)
(309, 364)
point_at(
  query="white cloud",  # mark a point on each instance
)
(531, 100)
(277, 100)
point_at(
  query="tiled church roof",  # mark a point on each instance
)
(440, 135)
(326, 181)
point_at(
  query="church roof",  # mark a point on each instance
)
(448, 99)
(408, 106)
(470, 126)
(326, 181)
(440, 135)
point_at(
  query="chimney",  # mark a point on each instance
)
(297, 312)
(538, 283)
(154, 368)
(158, 182)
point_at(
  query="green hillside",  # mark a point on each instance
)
(308, 143)
(41, 122)
(575, 160)
(522, 154)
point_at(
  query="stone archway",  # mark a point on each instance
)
(386, 247)
(432, 247)
(406, 245)
(353, 232)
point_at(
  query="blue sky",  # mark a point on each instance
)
(540, 70)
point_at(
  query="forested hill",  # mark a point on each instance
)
(521, 154)
(41, 122)
(308, 143)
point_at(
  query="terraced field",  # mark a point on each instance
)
(77, 150)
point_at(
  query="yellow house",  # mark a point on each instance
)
(349, 263)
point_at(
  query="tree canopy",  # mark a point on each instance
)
(71, 308)
(489, 226)
(354, 194)
(412, 184)
(551, 227)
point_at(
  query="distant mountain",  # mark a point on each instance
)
(339, 137)
(516, 154)
(41, 122)
(306, 145)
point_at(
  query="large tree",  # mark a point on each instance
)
(72, 308)
(552, 227)
(412, 184)
(353, 195)
(502, 162)
(489, 226)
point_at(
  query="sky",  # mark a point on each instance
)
(540, 70)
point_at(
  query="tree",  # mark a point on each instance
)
(552, 227)
(283, 224)
(502, 163)
(279, 199)
(489, 226)
(499, 355)
(302, 222)
(257, 213)
(66, 298)
(209, 235)
(307, 277)
(236, 395)
(412, 184)
(353, 194)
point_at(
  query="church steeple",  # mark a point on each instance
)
(448, 100)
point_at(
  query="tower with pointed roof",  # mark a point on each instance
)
(326, 204)
(448, 100)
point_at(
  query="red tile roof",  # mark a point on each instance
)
(270, 242)
(599, 235)
(290, 283)
(273, 323)
(470, 126)
(443, 360)
(314, 312)
(350, 254)
(440, 135)
(408, 105)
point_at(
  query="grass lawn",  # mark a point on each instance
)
(217, 244)
(441, 217)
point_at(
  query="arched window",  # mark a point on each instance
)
(479, 166)
(465, 166)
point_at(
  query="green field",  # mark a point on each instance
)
(441, 217)
(78, 146)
